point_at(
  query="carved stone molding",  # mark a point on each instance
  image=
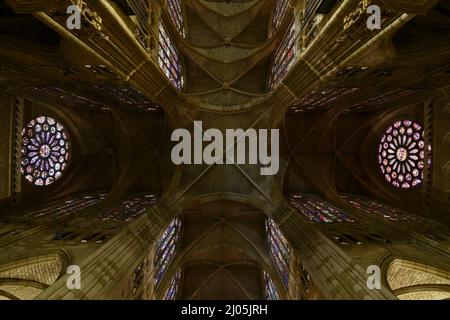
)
(357, 19)
(16, 176)
(91, 25)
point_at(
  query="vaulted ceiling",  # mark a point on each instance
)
(122, 110)
(227, 51)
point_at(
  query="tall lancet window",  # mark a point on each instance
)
(281, 9)
(169, 59)
(279, 250)
(270, 289)
(45, 151)
(317, 210)
(378, 208)
(165, 248)
(401, 154)
(284, 56)
(176, 13)
(174, 287)
(129, 209)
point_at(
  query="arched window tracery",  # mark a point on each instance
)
(285, 56)
(176, 13)
(271, 292)
(165, 248)
(318, 210)
(378, 208)
(279, 250)
(67, 207)
(169, 59)
(174, 287)
(129, 209)
(281, 9)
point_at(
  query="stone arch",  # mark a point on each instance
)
(27, 277)
(410, 280)
(202, 246)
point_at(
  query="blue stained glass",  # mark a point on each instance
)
(176, 13)
(173, 290)
(378, 208)
(317, 210)
(165, 248)
(279, 250)
(169, 59)
(271, 291)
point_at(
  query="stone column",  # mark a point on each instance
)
(6, 116)
(109, 272)
(16, 149)
(334, 273)
(11, 115)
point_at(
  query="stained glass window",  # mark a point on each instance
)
(67, 207)
(172, 292)
(169, 59)
(317, 210)
(279, 249)
(129, 209)
(375, 207)
(165, 248)
(280, 12)
(271, 291)
(284, 57)
(401, 154)
(45, 151)
(176, 13)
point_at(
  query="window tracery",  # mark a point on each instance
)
(279, 250)
(270, 290)
(176, 13)
(174, 286)
(317, 210)
(285, 56)
(129, 209)
(169, 58)
(165, 248)
(401, 154)
(45, 151)
(378, 208)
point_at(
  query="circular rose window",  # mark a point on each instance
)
(45, 151)
(401, 154)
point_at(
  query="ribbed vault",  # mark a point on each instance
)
(222, 252)
(227, 51)
(341, 87)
